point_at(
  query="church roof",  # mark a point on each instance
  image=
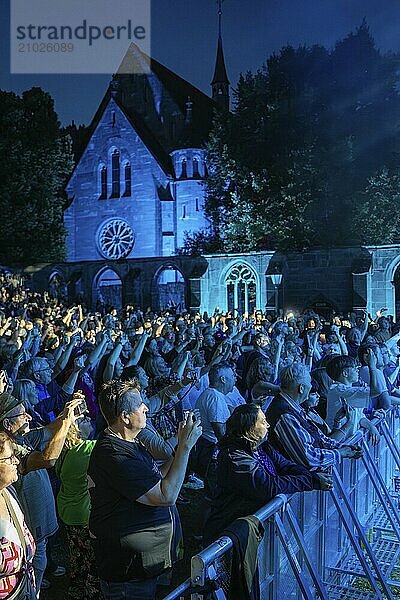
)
(134, 64)
(220, 74)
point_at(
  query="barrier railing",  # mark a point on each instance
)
(343, 544)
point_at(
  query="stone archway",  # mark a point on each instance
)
(241, 285)
(57, 286)
(389, 288)
(107, 288)
(134, 288)
(75, 289)
(169, 288)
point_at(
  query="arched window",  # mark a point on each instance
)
(116, 175)
(169, 289)
(107, 288)
(196, 172)
(241, 289)
(184, 212)
(103, 183)
(128, 179)
(184, 169)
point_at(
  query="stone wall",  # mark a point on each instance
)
(342, 278)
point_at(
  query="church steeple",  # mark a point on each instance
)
(220, 82)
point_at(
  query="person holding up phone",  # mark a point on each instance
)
(133, 518)
(36, 450)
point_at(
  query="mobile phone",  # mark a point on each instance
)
(81, 409)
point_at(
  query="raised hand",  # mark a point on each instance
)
(189, 431)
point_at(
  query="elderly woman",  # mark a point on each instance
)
(16, 541)
(26, 391)
(249, 472)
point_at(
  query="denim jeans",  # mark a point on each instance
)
(129, 590)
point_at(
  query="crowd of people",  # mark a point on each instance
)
(107, 417)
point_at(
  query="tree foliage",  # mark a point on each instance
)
(307, 133)
(36, 160)
(377, 213)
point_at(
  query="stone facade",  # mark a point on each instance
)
(342, 279)
(138, 186)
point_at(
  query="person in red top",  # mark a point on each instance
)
(17, 546)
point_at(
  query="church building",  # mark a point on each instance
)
(138, 186)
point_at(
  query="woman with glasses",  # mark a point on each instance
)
(16, 542)
(26, 391)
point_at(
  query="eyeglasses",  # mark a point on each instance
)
(9, 459)
(21, 414)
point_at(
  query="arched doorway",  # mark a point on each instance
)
(169, 289)
(75, 289)
(57, 286)
(107, 289)
(241, 289)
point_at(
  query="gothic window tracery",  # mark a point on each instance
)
(103, 182)
(196, 172)
(241, 289)
(184, 169)
(115, 239)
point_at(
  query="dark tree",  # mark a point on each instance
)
(288, 167)
(36, 161)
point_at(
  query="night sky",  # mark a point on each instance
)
(184, 36)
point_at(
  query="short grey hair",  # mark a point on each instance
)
(117, 397)
(294, 374)
(35, 364)
(217, 370)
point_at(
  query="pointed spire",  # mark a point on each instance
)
(114, 86)
(220, 81)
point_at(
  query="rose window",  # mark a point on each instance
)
(115, 239)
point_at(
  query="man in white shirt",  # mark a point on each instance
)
(213, 404)
(213, 408)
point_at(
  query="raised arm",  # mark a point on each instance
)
(137, 351)
(57, 431)
(112, 359)
(166, 491)
(97, 353)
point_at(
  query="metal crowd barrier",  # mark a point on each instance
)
(343, 544)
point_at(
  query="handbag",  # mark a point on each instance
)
(24, 590)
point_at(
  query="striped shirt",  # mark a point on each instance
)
(302, 446)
